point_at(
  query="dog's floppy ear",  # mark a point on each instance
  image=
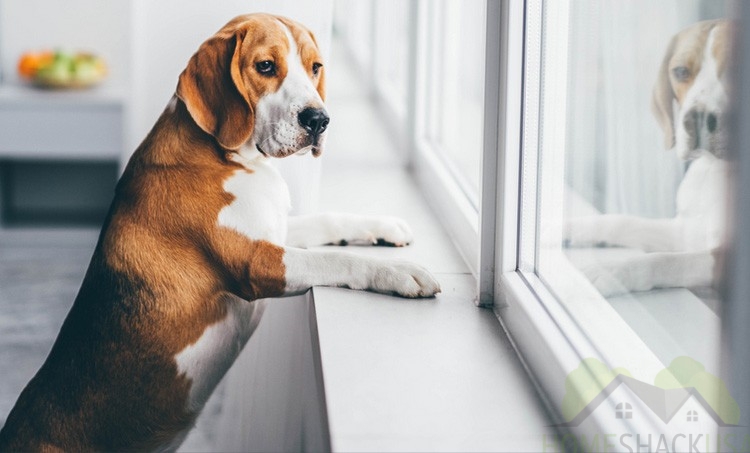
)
(663, 97)
(322, 84)
(322, 78)
(212, 89)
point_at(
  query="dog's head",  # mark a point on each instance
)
(692, 92)
(259, 82)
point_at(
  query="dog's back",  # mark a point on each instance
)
(96, 390)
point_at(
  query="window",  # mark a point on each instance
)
(586, 264)
(623, 410)
(449, 115)
(599, 189)
(424, 65)
(692, 416)
(454, 103)
(598, 218)
(529, 128)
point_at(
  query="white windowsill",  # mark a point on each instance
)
(405, 375)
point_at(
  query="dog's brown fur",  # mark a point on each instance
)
(161, 271)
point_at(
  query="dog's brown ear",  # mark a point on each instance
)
(322, 77)
(212, 89)
(322, 84)
(663, 97)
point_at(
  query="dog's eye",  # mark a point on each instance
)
(266, 67)
(681, 73)
(316, 68)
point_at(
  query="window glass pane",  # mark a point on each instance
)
(630, 178)
(455, 81)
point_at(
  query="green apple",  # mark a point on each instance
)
(85, 69)
(60, 71)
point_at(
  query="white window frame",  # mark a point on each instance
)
(444, 190)
(546, 334)
(737, 290)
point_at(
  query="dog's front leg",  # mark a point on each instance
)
(649, 235)
(342, 229)
(653, 270)
(307, 268)
(261, 269)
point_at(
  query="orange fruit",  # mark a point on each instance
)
(31, 62)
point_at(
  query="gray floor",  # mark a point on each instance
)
(40, 272)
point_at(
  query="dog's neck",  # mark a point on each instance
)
(165, 145)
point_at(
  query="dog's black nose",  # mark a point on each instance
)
(315, 121)
(711, 122)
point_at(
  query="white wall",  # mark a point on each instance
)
(95, 25)
(167, 33)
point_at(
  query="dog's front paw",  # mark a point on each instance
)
(581, 232)
(405, 279)
(391, 231)
(613, 279)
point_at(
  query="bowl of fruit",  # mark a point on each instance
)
(59, 69)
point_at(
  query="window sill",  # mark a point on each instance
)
(398, 374)
(436, 374)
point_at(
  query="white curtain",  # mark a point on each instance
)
(615, 154)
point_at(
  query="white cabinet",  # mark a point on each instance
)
(59, 154)
(41, 124)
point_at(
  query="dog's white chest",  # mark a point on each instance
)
(206, 361)
(261, 203)
(701, 203)
(259, 211)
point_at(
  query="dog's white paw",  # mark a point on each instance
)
(613, 279)
(391, 231)
(404, 279)
(581, 232)
(379, 230)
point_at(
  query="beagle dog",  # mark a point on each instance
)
(691, 103)
(196, 235)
